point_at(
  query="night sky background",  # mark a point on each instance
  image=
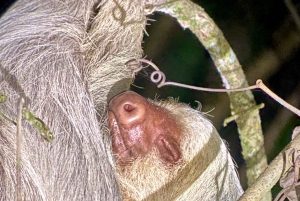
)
(266, 40)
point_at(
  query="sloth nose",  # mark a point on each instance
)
(129, 109)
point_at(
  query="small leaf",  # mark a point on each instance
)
(2, 98)
(38, 124)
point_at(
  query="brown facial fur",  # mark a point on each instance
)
(137, 126)
(205, 170)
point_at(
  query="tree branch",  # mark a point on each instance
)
(19, 147)
(271, 175)
(192, 16)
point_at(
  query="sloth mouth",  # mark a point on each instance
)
(123, 153)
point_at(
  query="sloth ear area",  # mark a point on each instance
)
(168, 148)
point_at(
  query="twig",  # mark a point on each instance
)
(281, 119)
(159, 78)
(6, 118)
(19, 144)
(234, 117)
(263, 87)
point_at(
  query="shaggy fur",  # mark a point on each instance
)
(206, 171)
(63, 56)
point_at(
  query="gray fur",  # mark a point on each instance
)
(63, 56)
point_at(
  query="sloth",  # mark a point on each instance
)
(165, 150)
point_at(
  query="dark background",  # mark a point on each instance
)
(265, 38)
